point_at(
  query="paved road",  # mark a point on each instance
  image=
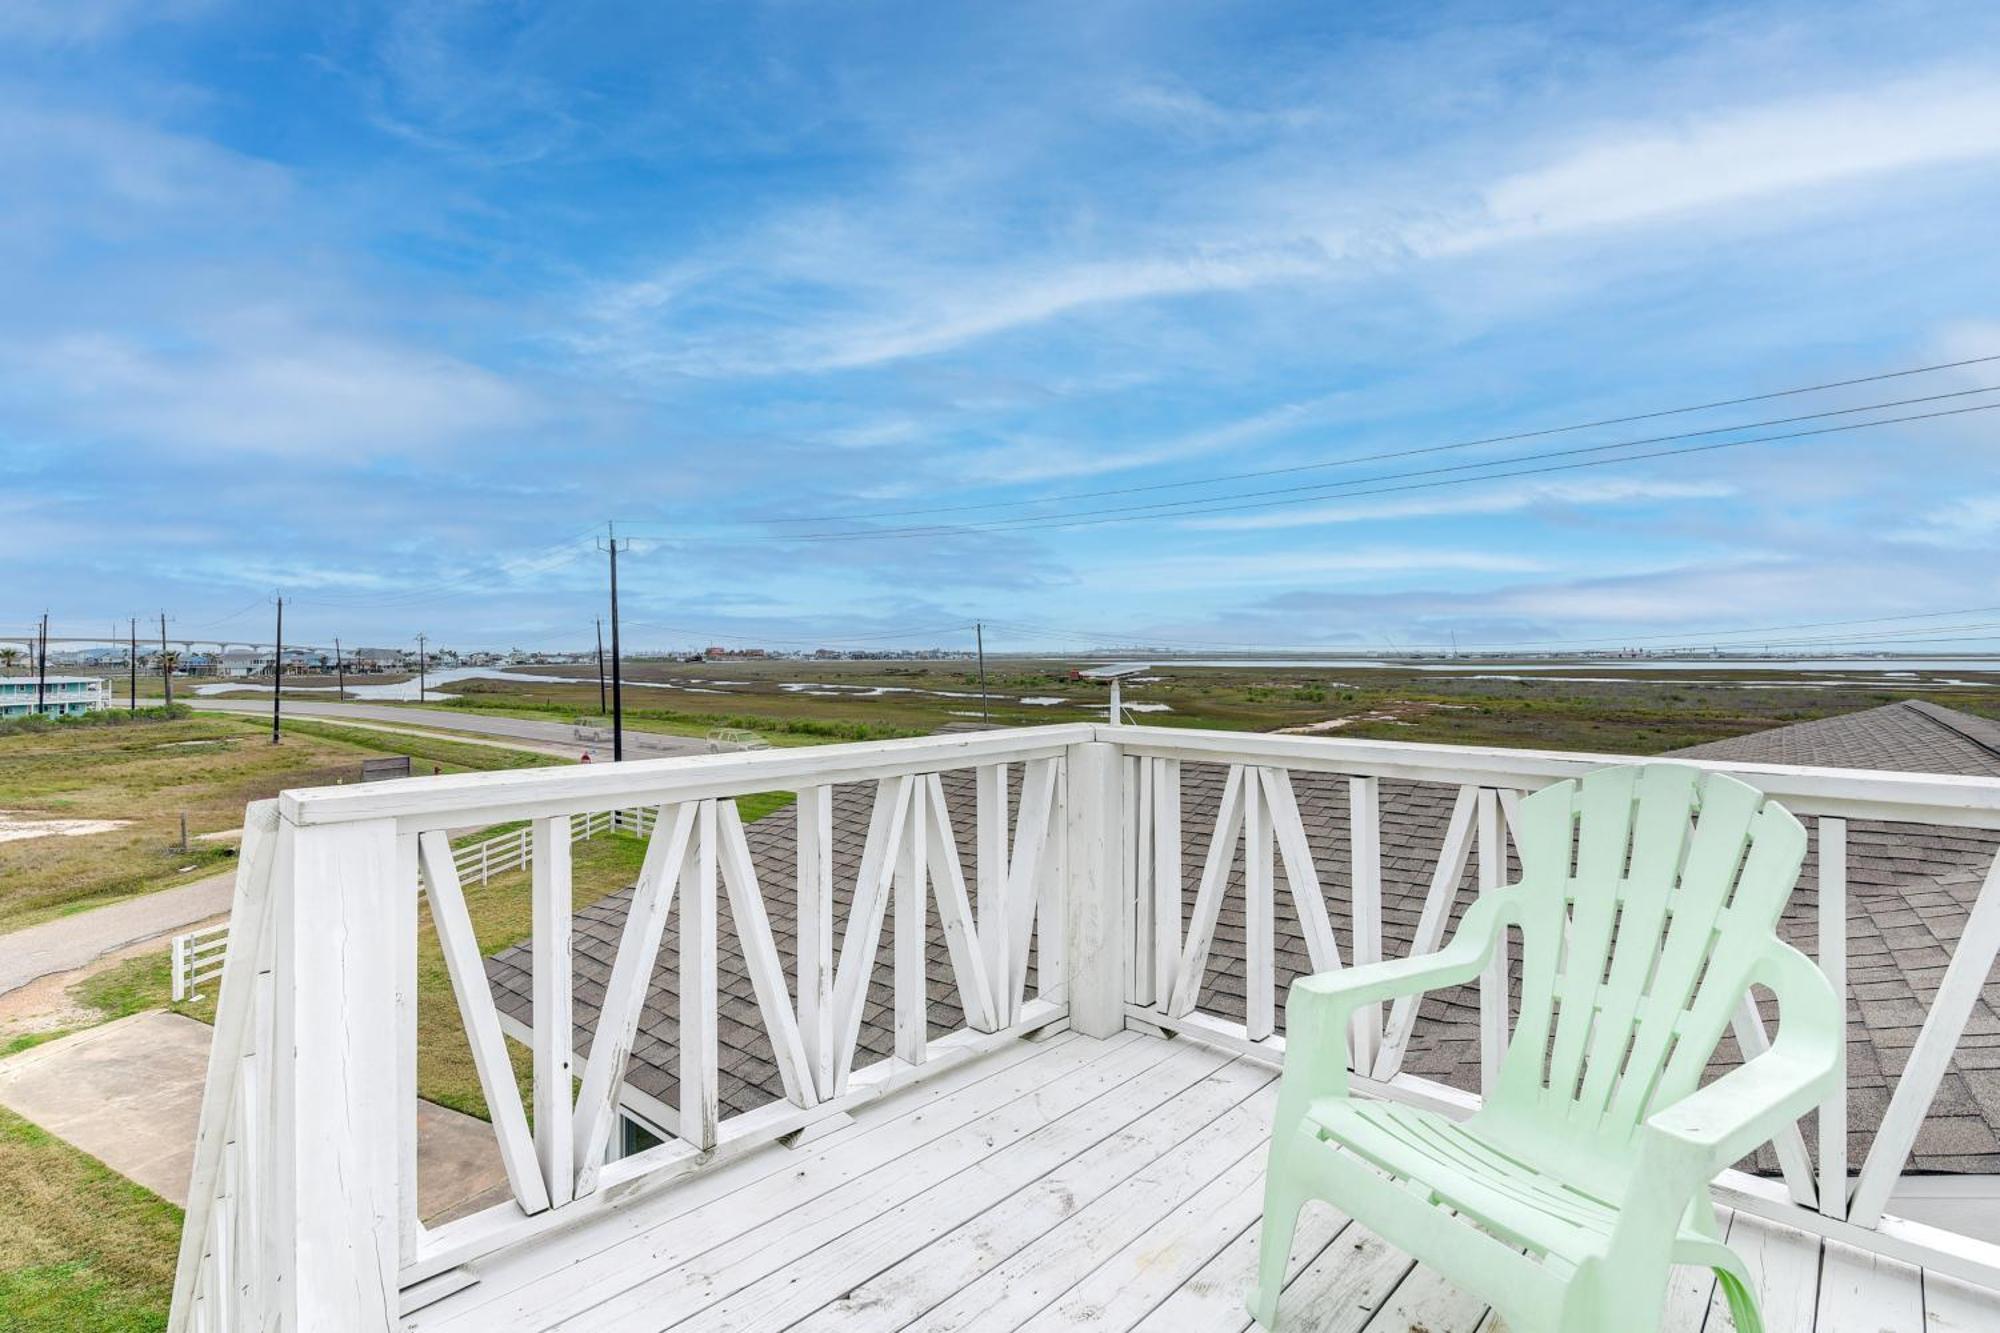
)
(560, 735)
(70, 942)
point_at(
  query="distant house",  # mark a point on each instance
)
(62, 696)
(239, 662)
(375, 659)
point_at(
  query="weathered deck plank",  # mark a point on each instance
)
(1076, 1185)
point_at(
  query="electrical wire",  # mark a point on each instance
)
(1459, 444)
(1304, 495)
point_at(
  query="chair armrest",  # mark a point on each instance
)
(1457, 962)
(1318, 1007)
(1718, 1124)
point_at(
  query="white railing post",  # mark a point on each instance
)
(336, 1081)
(1494, 1006)
(1833, 962)
(1364, 803)
(555, 1042)
(1095, 953)
(815, 950)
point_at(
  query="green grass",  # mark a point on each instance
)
(682, 722)
(502, 917)
(152, 770)
(449, 755)
(1622, 711)
(82, 1249)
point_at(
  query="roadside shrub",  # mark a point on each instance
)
(106, 717)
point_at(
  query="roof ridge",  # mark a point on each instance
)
(1976, 731)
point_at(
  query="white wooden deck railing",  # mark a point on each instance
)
(196, 955)
(302, 1208)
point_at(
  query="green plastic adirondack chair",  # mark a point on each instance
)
(1647, 906)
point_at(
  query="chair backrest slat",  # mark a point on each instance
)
(1647, 894)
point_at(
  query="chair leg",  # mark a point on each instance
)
(1284, 1195)
(1742, 1301)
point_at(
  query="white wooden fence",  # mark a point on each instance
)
(512, 850)
(303, 1197)
(197, 960)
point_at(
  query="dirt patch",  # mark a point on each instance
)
(15, 827)
(45, 1004)
(1395, 713)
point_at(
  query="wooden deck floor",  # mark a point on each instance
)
(1070, 1184)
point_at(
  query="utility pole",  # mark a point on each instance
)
(979, 637)
(41, 661)
(617, 668)
(421, 686)
(339, 672)
(600, 666)
(278, 670)
(132, 658)
(166, 667)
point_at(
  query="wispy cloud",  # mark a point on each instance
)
(1025, 461)
(1967, 522)
(1251, 570)
(864, 298)
(1737, 157)
(271, 387)
(1500, 500)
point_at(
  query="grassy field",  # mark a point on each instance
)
(1580, 707)
(149, 773)
(82, 1249)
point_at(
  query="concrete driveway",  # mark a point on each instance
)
(129, 1094)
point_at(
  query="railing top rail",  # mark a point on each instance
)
(428, 803)
(439, 802)
(1924, 798)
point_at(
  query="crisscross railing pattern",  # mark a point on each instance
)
(1002, 928)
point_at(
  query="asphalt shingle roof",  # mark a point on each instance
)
(1910, 890)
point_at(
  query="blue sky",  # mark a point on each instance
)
(390, 308)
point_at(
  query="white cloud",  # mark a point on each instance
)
(864, 282)
(1048, 460)
(1737, 157)
(268, 388)
(1970, 521)
(1504, 500)
(85, 22)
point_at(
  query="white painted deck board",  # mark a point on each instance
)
(1073, 1184)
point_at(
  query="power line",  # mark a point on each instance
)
(1459, 444)
(1302, 495)
(1693, 638)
